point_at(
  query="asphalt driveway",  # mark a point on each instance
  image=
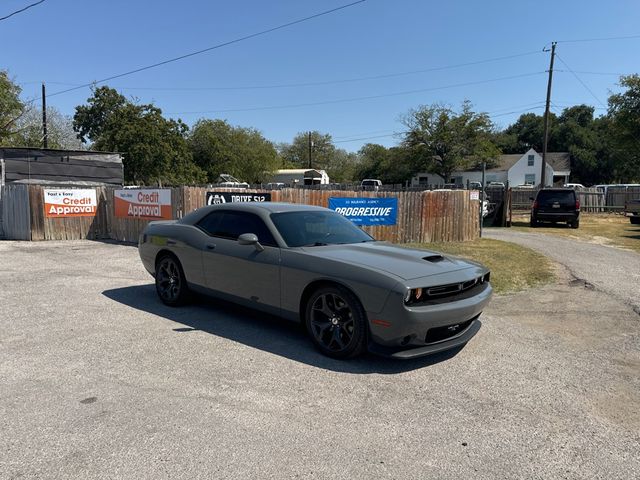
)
(100, 380)
(612, 270)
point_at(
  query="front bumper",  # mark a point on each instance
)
(402, 331)
(417, 352)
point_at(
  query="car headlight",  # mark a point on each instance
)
(423, 294)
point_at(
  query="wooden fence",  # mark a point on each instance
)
(616, 197)
(441, 216)
(591, 199)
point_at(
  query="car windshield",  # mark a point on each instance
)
(316, 228)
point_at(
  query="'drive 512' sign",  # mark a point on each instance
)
(216, 198)
(367, 211)
(149, 204)
(70, 203)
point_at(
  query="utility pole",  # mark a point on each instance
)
(44, 117)
(546, 117)
(484, 166)
(310, 145)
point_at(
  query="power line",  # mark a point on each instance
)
(617, 74)
(356, 99)
(580, 80)
(365, 133)
(369, 138)
(215, 47)
(575, 104)
(600, 39)
(338, 81)
(21, 10)
(313, 84)
(396, 133)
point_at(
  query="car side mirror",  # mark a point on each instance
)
(250, 239)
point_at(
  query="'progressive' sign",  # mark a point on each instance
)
(367, 211)
(70, 203)
(146, 204)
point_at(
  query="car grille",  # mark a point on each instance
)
(438, 334)
(453, 291)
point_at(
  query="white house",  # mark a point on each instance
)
(300, 176)
(515, 169)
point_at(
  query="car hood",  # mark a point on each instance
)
(405, 263)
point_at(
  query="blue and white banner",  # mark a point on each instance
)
(367, 211)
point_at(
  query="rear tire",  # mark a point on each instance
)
(635, 220)
(533, 223)
(575, 223)
(171, 284)
(336, 322)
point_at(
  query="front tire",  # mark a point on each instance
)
(336, 322)
(171, 284)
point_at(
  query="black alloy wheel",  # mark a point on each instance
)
(336, 322)
(171, 284)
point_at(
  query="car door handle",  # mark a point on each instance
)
(210, 246)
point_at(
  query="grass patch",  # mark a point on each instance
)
(605, 229)
(513, 267)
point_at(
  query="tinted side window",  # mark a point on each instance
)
(210, 223)
(233, 224)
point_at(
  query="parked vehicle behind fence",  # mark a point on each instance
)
(632, 210)
(556, 205)
(371, 184)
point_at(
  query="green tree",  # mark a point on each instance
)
(575, 133)
(11, 107)
(525, 133)
(393, 165)
(373, 161)
(340, 165)
(60, 133)
(624, 114)
(445, 141)
(154, 149)
(296, 154)
(218, 147)
(93, 120)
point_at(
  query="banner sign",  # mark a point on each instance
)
(367, 211)
(150, 204)
(70, 203)
(216, 198)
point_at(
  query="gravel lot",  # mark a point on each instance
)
(100, 380)
(612, 270)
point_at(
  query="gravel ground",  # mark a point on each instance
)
(100, 380)
(611, 270)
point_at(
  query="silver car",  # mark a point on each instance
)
(312, 265)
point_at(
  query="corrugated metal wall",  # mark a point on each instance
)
(16, 218)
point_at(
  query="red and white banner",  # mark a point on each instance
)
(70, 203)
(146, 204)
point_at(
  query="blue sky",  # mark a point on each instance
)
(264, 82)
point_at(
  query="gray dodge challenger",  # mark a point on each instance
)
(311, 264)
